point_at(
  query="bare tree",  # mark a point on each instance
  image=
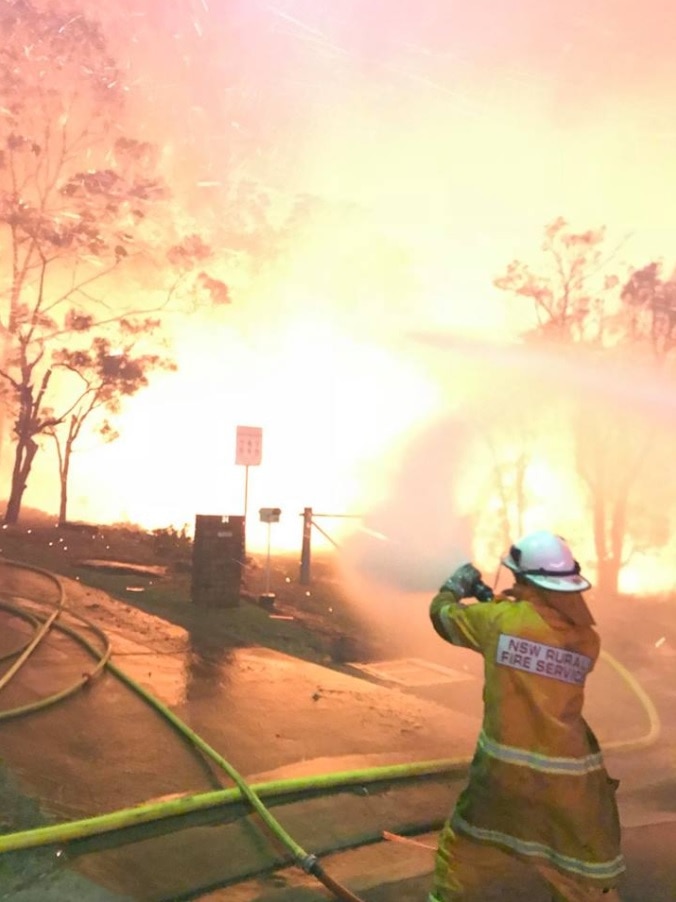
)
(570, 295)
(510, 442)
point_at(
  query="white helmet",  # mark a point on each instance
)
(546, 560)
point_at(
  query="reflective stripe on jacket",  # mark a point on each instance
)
(538, 785)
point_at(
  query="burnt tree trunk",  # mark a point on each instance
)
(26, 450)
(64, 469)
(26, 427)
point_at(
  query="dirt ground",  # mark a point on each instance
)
(148, 577)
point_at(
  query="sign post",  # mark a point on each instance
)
(249, 453)
(268, 515)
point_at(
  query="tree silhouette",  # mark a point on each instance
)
(598, 318)
(569, 294)
(107, 372)
(650, 303)
(81, 208)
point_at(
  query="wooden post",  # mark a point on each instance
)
(305, 555)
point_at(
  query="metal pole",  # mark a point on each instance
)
(306, 549)
(267, 566)
(246, 490)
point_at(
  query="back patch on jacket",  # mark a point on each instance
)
(542, 660)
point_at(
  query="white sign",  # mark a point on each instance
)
(543, 660)
(249, 446)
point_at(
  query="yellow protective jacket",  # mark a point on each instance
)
(538, 786)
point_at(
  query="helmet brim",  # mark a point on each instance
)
(573, 583)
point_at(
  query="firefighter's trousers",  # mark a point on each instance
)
(465, 870)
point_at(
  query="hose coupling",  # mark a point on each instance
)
(308, 863)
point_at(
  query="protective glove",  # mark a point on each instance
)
(466, 582)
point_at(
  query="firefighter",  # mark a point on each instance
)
(538, 789)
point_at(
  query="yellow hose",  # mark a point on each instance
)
(38, 637)
(42, 631)
(13, 652)
(69, 690)
(124, 818)
(655, 727)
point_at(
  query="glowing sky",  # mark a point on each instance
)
(462, 127)
(456, 130)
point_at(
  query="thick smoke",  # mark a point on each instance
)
(600, 434)
(414, 537)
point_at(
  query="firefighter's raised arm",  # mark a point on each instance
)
(451, 619)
